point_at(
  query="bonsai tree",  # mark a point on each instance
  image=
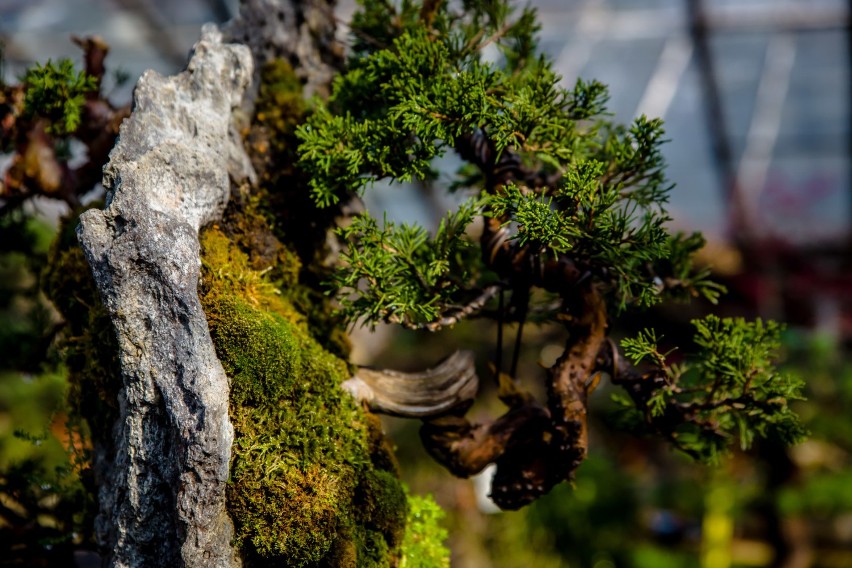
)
(204, 314)
(569, 213)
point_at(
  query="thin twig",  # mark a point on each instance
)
(522, 318)
(496, 36)
(447, 320)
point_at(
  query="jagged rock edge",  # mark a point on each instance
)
(162, 491)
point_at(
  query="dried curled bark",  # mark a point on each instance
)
(162, 489)
(450, 385)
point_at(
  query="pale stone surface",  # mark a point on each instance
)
(301, 32)
(162, 486)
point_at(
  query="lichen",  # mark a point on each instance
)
(305, 488)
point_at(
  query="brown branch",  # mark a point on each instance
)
(465, 449)
(428, 11)
(95, 50)
(568, 381)
(496, 35)
(457, 314)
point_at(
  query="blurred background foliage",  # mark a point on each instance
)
(43, 504)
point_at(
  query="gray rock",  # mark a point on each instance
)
(300, 31)
(162, 485)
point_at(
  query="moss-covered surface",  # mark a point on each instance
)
(310, 484)
(313, 480)
(284, 200)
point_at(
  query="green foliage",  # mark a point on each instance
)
(409, 276)
(677, 273)
(399, 108)
(539, 223)
(423, 545)
(57, 93)
(421, 89)
(730, 391)
(622, 230)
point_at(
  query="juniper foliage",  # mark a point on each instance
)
(729, 391)
(55, 92)
(563, 199)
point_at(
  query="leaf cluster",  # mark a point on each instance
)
(729, 392)
(398, 273)
(56, 92)
(539, 223)
(399, 107)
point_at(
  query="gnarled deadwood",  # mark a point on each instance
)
(465, 449)
(534, 447)
(448, 386)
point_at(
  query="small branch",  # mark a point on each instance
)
(522, 307)
(465, 449)
(498, 354)
(428, 11)
(496, 35)
(459, 314)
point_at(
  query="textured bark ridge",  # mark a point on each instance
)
(162, 487)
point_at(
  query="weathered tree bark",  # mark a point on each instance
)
(162, 491)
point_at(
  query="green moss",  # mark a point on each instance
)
(373, 550)
(283, 201)
(280, 107)
(383, 506)
(305, 489)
